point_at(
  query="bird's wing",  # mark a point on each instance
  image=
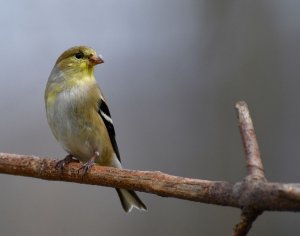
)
(106, 117)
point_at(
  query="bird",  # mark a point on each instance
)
(79, 117)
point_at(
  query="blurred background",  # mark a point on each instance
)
(173, 72)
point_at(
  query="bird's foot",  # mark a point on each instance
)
(87, 166)
(60, 165)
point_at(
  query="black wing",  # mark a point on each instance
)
(106, 117)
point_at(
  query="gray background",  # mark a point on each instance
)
(173, 71)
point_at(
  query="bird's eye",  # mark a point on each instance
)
(79, 55)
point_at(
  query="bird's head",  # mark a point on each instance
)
(79, 58)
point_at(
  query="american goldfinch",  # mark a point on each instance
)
(79, 117)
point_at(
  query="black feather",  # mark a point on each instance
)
(104, 111)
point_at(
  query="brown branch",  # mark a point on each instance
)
(243, 227)
(253, 195)
(253, 159)
(290, 192)
(266, 196)
(216, 192)
(255, 169)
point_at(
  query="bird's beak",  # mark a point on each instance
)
(94, 59)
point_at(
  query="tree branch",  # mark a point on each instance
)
(255, 169)
(243, 227)
(253, 195)
(266, 196)
(216, 192)
(253, 159)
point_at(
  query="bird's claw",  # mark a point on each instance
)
(86, 167)
(60, 165)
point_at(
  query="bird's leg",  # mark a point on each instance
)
(88, 165)
(61, 164)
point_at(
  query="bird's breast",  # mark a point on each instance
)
(74, 121)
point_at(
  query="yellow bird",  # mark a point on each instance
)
(79, 117)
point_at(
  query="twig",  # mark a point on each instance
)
(253, 159)
(255, 169)
(253, 195)
(243, 227)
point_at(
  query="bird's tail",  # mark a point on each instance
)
(130, 199)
